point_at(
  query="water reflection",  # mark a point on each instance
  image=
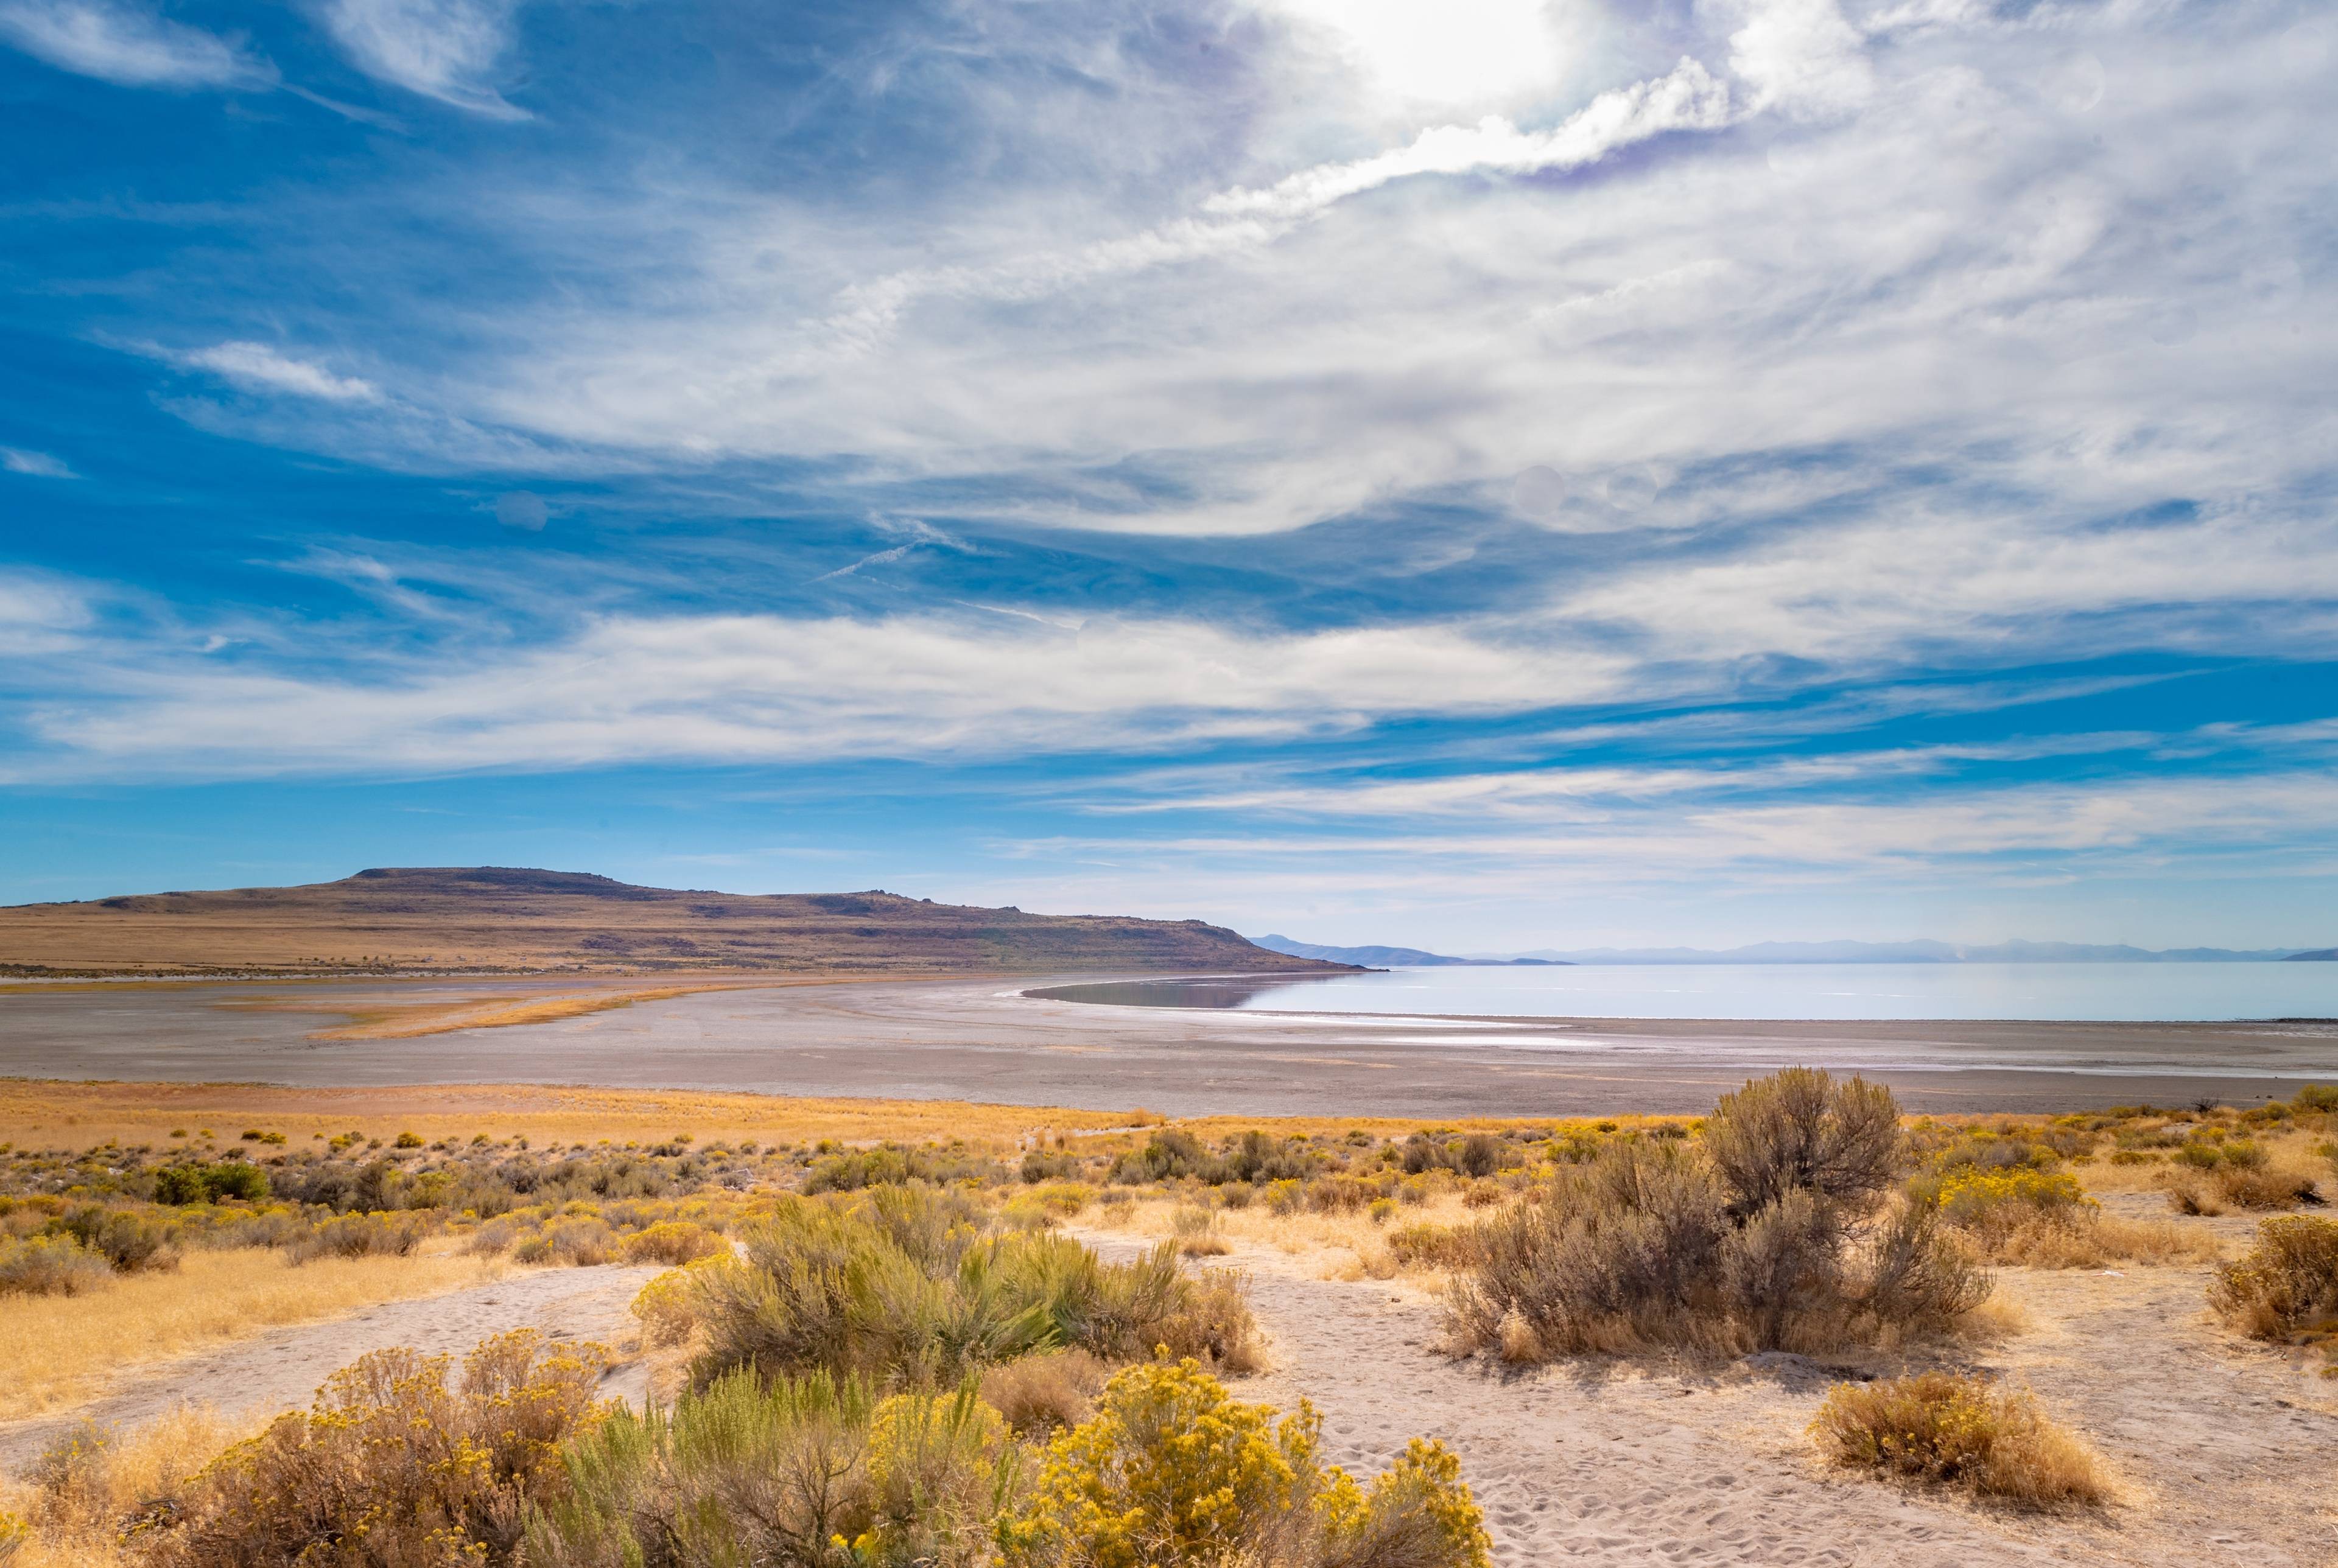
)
(1224, 991)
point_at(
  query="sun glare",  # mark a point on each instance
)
(1453, 52)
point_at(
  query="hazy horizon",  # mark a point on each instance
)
(1501, 475)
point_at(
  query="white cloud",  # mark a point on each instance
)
(1800, 55)
(1457, 52)
(40, 464)
(442, 49)
(128, 46)
(738, 688)
(258, 367)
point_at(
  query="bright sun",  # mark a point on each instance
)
(1445, 52)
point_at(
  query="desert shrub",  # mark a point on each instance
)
(1478, 1155)
(1066, 1199)
(800, 1473)
(893, 1164)
(51, 1266)
(672, 1242)
(1337, 1195)
(393, 1465)
(197, 1183)
(14, 1534)
(1254, 1157)
(1169, 1155)
(361, 1236)
(1173, 1471)
(131, 1242)
(575, 1241)
(2314, 1098)
(2287, 1283)
(2212, 1179)
(902, 1287)
(1049, 1165)
(670, 1305)
(1040, 1394)
(1801, 1130)
(1658, 1243)
(1941, 1427)
(1196, 1229)
(1429, 1246)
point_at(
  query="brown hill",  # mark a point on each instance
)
(492, 919)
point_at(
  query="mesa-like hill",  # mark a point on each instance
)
(498, 919)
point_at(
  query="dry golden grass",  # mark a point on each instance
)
(75, 1524)
(2089, 1240)
(57, 1351)
(40, 1113)
(1940, 1427)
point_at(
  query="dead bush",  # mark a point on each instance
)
(1939, 1427)
(2286, 1284)
(672, 1242)
(1041, 1394)
(51, 1266)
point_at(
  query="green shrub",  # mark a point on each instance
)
(1173, 1471)
(199, 1183)
(902, 1287)
(393, 1466)
(803, 1473)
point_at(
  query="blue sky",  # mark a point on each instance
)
(1488, 475)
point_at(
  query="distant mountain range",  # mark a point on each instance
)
(1918, 951)
(1382, 957)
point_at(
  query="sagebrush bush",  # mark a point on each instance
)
(1773, 1233)
(51, 1266)
(132, 1242)
(903, 1288)
(360, 1236)
(394, 1466)
(672, 1242)
(1940, 1427)
(2287, 1283)
(1173, 1471)
(796, 1473)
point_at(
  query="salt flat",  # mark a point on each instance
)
(985, 1040)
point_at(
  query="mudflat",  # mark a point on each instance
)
(987, 1040)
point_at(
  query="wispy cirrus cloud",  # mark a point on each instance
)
(130, 45)
(257, 367)
(39, 464)
(443, 49)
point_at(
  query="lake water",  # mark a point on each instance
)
(2108, 993)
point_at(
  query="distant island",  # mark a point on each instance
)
(1384, 957)
(2322, 956)
(495, 919)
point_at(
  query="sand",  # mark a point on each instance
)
(281, 1370)
(2226, 1446)
(985, 1041)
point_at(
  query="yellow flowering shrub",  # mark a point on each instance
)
(13, 1533)
(393, 1465)
(1172, 1470)
(669, 1305)
(2004, 1197)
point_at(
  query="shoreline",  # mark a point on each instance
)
(983, 1040)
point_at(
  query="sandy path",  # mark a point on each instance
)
(281, 1370)
(1600, 1463)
